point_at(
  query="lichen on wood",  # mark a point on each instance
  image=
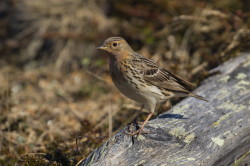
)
(193, 132)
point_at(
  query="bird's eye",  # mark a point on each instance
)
(114, 44)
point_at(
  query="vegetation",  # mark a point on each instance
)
(55, 87)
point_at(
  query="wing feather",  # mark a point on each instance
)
(160, 77)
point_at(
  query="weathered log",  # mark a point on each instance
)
(192, 133)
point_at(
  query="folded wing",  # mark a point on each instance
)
(162, 78)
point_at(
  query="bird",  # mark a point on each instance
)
(141, 79)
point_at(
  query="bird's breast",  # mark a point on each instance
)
(124, 81)
(130, 82)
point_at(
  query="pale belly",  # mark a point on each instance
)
(132, 88)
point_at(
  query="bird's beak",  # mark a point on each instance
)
(102, 48)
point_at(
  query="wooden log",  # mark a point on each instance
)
(192, 133)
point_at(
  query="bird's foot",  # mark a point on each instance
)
(135, 130)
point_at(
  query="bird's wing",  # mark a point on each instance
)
(160, 77)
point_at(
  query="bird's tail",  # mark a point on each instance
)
(197, 96)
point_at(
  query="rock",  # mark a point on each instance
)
(193, 132)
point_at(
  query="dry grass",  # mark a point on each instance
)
(55, 88)
(43, 113)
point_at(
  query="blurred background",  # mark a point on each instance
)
(57, 101)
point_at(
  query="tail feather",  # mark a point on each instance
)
(197, 96)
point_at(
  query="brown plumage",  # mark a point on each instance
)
(142, 80)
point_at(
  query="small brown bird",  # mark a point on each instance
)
(142, 80)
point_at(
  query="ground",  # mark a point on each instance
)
(55, 86)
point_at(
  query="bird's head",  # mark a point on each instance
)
(115, 46)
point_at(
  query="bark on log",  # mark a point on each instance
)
(192, 133)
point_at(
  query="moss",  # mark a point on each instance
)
(189, 138)
(224, 79)
(228, 106)
(231, 106)
(178, 132)
(179, 110)
(218, 141)
(140, 138)
(241, 76)
(243, 87)
(181, 133)
(223, 94)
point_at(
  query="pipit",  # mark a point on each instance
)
(141, 79)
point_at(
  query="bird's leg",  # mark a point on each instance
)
(138, 114)
(138, 132)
